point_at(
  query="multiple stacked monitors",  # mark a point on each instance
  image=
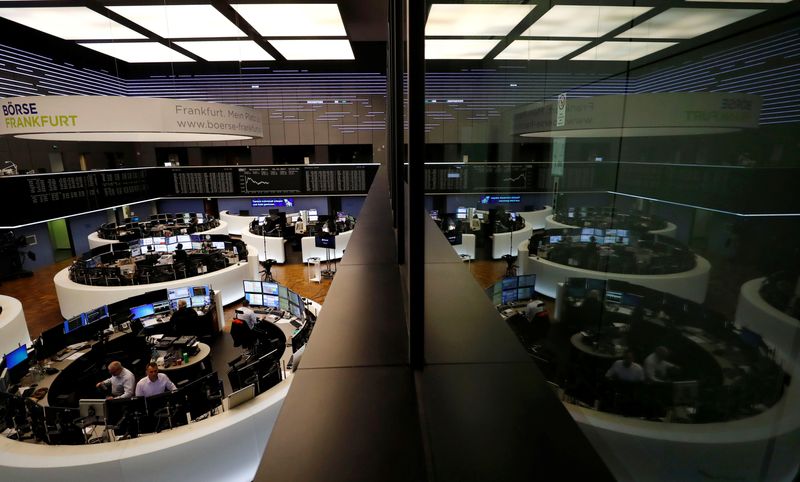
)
(84, 319)
(143, 311)
(601, 236)
(273, 295)
(461, 213)
(168, 244)
(194, 296)
(512, 289)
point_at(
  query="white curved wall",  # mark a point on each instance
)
(776, 327)
(236, 224)
(536, 219)
(75, 298)
(226, 447)
(467, 246)
(13, 328)
(691, 284)
(502, 243)
(95, 240)
(274, 246)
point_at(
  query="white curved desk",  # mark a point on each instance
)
(225, 447)
(13, 328)
(96, 241)
(274, 246)
(638, 450)
(502, 243)
(311, 251)
(75, 298)
(236, 224)
(776, 327)
(467, 246)
(536, 219)
(691, 284)
(670, 230)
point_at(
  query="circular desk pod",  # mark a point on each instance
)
(75, 297)
(192, 223)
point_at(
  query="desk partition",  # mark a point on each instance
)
(311, 251)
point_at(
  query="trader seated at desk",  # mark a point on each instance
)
(121, 381)
(184, 318)
(246, 314)
(154, 383)
(626, 369)
(656, 366)
(180, 255)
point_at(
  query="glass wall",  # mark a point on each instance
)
(621, 178)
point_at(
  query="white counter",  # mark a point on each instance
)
(691, 284)
(502, 243)
(236, 224)
(776, 327)
(536, 219)
(670, 230)
(274, 246)
(96, 241)
(75, 298)
(311, 251)
(225, 447)
(637, 450)
(13, 328)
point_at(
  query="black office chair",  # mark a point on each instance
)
(242, 335)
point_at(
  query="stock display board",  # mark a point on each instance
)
(39, 197)
(482, 178)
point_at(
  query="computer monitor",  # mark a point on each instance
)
(73, 323)
(586, 238)
(171, 248)
(613, 296)
(147, 241)
(512, 216)
(272, 301)
(50, 342)
(622, 232)
(16, 356)
(284, 303)
(142, 311)
(159, 240)
(255, 299)
(160, 248)
(595, 284)
(184, 239)
(269, 288)
(197, 245)
(283, 292)
(454, 237)
(96, 314)
(510, 283)
(252, 286)
(630, 299)
(200, 290)
(172, 239)
(177, 293)
(434, 213)
(576, 292)
(509, 296)
(527, 281)
(199, 301)
(218, 244)
(240, 396)
(295, 298)
(341, 216)
(92, 407)
(295, 310)
(524, 294)
(555, 239)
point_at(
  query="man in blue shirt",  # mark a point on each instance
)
(154, 383)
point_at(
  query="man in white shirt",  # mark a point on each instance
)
(122, 381)
(626, 369)
(246, 314)
(154, 383)
(656, 366)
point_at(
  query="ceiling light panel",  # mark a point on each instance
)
(463, 49)
(582, 20)
(474, 19)
(226, 50)
(180, 21)
(70, 23)
(540, 49)
(683, 23)
(623, 51)
(138, 52)
(314, 49)
(293, 20)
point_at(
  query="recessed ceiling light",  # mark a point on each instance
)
(474, 19)
(180, 21)
(623, 51)
(681, 23)
(294, 20)
(457, 48)
(138, 52)
(314, 49)
(540, 49)
(70, 23)
(582, 20)
(226, 50)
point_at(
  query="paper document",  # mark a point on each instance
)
(75, 355)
